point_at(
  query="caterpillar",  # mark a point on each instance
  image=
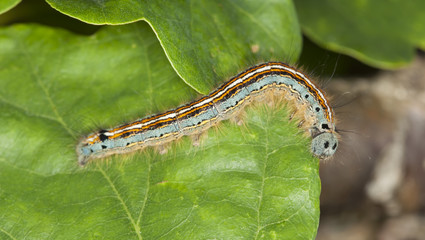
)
(197, 116)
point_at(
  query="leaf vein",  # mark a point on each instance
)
(124, 205)
(145, 199)
(266, 145)
(179, 224)
(255, 21)
(26, 111)
(7, 233)
(46, 93)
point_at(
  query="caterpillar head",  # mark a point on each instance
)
(324, 144)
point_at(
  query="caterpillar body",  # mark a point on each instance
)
(197, 116)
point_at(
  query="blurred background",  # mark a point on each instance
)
(374, 188)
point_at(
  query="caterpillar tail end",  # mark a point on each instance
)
(83, 159)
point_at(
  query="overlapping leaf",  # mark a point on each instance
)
(380, 33)
(5, 5)
(204, 40)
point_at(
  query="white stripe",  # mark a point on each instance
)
(308, 80)
(140, 125)
(91, 139)
(234, 83)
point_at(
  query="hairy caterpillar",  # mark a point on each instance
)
(197, 116)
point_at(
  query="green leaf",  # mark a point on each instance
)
(381, 33)
(256, 181)
(6, 5)
(204, 40)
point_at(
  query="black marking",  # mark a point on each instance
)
(102, 135)
(127, 134)
(104, 146)
(326, 144)
(334, 146)
(306, 96)
(317, 109)
(325, 126)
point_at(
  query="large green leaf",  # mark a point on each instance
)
(378, 32)
(5, 5)
(204, 40)
(257, 181)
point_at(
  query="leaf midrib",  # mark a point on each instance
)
(124, 205)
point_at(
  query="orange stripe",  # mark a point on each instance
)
(221, 88)
(138, 129)
(311, 87)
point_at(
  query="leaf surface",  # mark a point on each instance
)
(256, 181)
